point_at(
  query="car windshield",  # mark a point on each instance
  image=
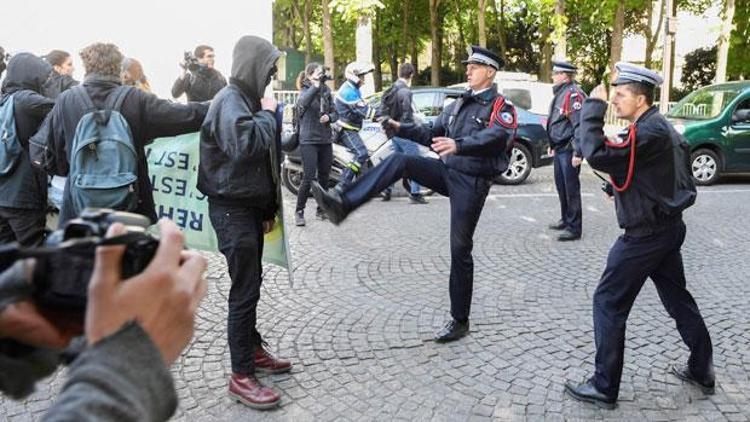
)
(703, 104)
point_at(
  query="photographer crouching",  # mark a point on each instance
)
(92, 285)
(199, 80)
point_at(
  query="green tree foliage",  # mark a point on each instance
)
(739, 49)
(699, 69)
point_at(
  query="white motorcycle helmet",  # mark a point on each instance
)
(355, 70)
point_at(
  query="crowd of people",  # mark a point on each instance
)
(95, 132)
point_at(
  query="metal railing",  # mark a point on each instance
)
(286, 97)
(611, 119)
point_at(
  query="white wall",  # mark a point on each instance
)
(156, 32)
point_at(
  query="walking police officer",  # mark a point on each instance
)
(652, 185)
(471, 136)
(564, 117)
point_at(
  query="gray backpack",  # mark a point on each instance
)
(103, 159)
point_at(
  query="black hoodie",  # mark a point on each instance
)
(26, 187)
(238, 137)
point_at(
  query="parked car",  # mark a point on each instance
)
(529, 152)
(715, 120)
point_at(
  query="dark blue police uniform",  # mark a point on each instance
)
(563, 120)
(482, 124)
(652, 186)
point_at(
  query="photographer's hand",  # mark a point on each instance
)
(325, 118)
(163, 299)
(23, 322)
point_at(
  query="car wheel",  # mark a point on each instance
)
(519, 166)
(292, 179)
(705, 165)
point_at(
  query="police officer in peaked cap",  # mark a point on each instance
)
(471, 136)
(563, 120)
(652, 186)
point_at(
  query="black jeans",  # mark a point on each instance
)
(316, 164)
(25, 226)
(630, 262)
(239, 230)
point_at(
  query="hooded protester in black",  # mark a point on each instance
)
(25, 187)
(237, 137)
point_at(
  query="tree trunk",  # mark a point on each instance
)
(561, 46)
(482, 28)
(436, 44)
(405, 31)
(652, 36)
(545, 62)
(376, 60)
(414, 54)
(328, 41)
(723, 42)
(306, 30)
(615, 50)
(500, 24)
(363, 38)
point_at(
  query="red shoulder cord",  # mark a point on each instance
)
(631, 163)
(499, 103)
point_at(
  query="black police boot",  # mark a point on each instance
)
(452, 331)
(320, 213)
(417, 199)
(568, 235)
(386, 196)
(330, 201)
(560, 225)
(683, 372)
(588, 393)
(299, 218)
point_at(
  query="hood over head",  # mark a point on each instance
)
(253, 60)
(26, 71)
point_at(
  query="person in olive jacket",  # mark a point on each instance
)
(315, 112)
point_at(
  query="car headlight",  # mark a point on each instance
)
(680, 129)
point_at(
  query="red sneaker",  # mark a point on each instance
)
(265, 362)
(251, 393)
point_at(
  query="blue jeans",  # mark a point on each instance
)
(409, 148)
(356, 146)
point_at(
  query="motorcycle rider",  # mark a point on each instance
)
(352, 110)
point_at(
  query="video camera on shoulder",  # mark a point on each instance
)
(190, 62)
(65, 262)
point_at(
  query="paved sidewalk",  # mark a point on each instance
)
(369, 294)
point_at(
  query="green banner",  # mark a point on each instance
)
(173, 168)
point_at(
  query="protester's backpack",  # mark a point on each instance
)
(387, 102)
(103, 159)
(11, 149)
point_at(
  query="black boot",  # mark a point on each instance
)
(386, 196)
(330, 201)
(417, 199)
(560, 225)
(683, 372)
(452, 331)
(568, 235)
(587, 392)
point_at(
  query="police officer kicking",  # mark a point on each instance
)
(652, 185)
(564, 116)
(471, 136)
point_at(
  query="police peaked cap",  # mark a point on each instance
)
(629, 73)
(480, 55)
(563, 66)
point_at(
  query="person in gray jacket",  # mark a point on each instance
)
(123, 372)
(315, 112)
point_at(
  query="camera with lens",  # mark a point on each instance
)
(65, 263)
(190, 62)
(326, 75)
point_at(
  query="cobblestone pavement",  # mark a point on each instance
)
(368, 296)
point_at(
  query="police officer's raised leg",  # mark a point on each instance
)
(428, 172)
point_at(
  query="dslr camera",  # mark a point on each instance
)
(65, 262)
(190, 62)
(326, 75)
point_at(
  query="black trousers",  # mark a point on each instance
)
(25, 226)
(467, 194)
(239, 230)
(316, 165)
(631, 260)
(568, 186)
